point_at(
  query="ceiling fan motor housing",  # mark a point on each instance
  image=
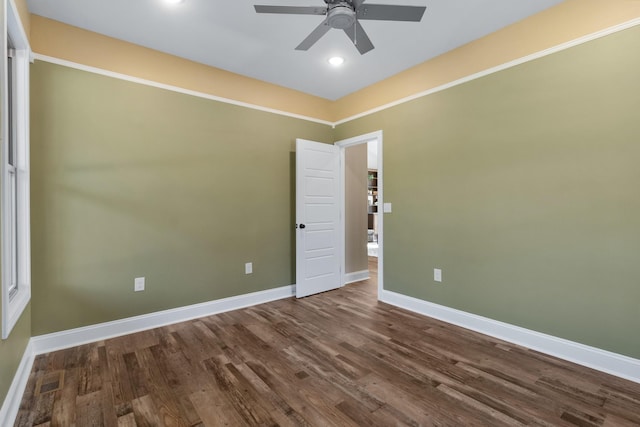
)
(341, 15)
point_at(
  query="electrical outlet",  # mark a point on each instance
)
(138, 284)
(437, 275)
(248, 268)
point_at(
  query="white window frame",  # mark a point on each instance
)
(15, 219)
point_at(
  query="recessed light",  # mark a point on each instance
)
(173, 1)
(336, 61)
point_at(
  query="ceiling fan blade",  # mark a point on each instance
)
(315, 35)
(387, 12)
(359, 38)
(292, 10)
(357, 3)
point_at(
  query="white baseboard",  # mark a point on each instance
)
(356, 276)
(74, 337)
(602, 360)
(591, 357)
(11, 404)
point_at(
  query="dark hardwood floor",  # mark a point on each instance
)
(339, 358)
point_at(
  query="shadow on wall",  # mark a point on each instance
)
(107, 224)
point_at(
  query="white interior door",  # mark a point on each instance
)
(317, 217)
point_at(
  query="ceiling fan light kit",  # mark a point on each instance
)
(336, 61)
(345, 15)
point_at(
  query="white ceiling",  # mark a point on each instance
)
(232, 36)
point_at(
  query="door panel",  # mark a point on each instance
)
(317, 217)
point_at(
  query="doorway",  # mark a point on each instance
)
(374, 211)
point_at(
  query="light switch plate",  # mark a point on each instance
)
(386, 208)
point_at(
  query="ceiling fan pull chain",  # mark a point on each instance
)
(355, 27)
(355, 34)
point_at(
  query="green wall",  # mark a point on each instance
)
(130, 180)
(523, 186)
(12, 350)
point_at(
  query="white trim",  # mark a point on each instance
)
(591, 357)
(15, 27)
(356, 276)
(510, 64)
(172, 88)
(74, 337)
(611, 363)
(343, 144)
(11, 404)
(12, 308)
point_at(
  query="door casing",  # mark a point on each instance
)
(344, 144)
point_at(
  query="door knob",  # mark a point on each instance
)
(303, 226)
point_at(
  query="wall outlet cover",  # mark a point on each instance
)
(437, 275)
(138, 284)
(248, 268)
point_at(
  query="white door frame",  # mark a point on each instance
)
(345, 143)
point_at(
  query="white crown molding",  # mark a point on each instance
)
(120, 76)
(73, 337)
(11, 404)
(591, 357)
(498, 68)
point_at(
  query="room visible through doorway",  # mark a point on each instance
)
(363, 208)
(372, 199)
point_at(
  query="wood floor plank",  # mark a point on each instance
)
(282, 412)
(243, 401)
(146, 413)
(521, 400)
(182, 380)
(402, 401)
(119, 377)
(89, 410)
(167, 405)
(497, 418)
(64, 409)
(362, 416)
(128, 420)
(418, 389)
(136, 375)
(305, 395)
(214, 409)
(340, 358)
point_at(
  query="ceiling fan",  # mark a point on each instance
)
(345, 15)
